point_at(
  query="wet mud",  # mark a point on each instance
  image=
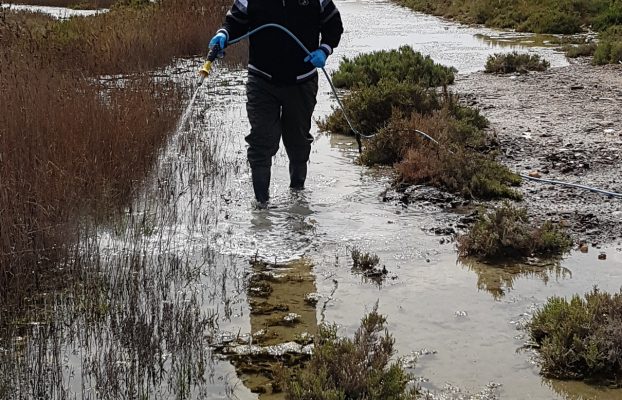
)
(561, 124)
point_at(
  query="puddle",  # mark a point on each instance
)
(174, 278)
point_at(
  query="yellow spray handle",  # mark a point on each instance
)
(207, 67)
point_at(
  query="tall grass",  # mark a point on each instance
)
(68, 148)
(127, 39)
(76, 4)
(71, 146)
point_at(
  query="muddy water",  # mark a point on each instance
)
(174, 270)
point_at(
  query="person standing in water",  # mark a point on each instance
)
(282, 79)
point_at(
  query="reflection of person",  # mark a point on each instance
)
(283, 80)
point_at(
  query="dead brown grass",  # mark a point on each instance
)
(127, 39)
(71, 146)
(66, 150)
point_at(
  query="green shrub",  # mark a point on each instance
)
(507, 232)
(369, 108)
(582, 50)
(612, 16)
(402, 65)
(515, 62)
(468, 173)
(609, 49)
(552, 22)
(540, 16)
(364, 261)
(457, 164)
(356, 369)
(394, 110)
(581, 338)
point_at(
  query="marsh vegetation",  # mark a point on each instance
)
(57, 170)
(550, 16)
(357, 368)
(507, 232)
(395, 98)
(581, 337)
(515, 62)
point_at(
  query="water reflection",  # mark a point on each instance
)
(283, 321)
(570, 390)
(516, 41)
(498, 279)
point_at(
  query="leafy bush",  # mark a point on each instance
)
(456, 164)
(470, 174)
(581, 50)
(402, 65)
(609, 49)
(552, 21)
(364, 261)
(357, 369)
(507, 232)
(612, 16)
(540, 16)
(394, 110)
(451, 124)
(581, 338)
(369, 108)
(515, 62)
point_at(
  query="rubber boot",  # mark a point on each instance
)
(261, 185)
(297, 175)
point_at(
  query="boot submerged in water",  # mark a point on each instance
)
(261, 185)
(297, 175)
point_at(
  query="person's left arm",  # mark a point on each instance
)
(331, 26)
(331, 29)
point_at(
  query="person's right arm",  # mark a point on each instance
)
(236, 24)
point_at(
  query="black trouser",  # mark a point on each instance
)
(275, 111)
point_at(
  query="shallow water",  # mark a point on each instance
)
(178, 261)
(56, 12)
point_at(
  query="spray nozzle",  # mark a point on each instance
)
(214, 53)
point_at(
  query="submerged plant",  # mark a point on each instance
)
(507, 232)
(364, 261)
(581, 338)
(356, 369)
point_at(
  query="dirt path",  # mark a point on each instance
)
(565, 123)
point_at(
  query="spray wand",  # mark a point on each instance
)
(213, 54)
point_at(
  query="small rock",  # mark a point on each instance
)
(584, 248)
(535, 174)
(576, 87)
(602, 256)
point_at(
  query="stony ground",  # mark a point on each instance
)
(563, 124)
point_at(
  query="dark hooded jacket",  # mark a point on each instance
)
(273, 55)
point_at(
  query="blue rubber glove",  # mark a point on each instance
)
(317, 58)
(220, 39)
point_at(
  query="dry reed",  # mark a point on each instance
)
(70, 146)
